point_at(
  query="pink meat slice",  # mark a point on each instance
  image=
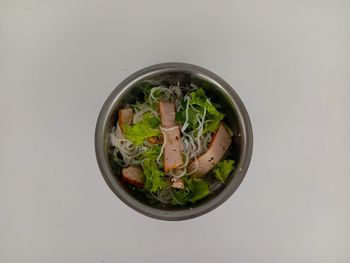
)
(172, 148)
(133, 175)
(167, 114)
(220, 143)
(124, 117)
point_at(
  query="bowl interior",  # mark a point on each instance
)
(129, 91)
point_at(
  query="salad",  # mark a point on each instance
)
(172, 145)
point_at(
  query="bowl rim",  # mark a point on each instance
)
(225, 193)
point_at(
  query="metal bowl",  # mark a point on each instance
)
(129, 90)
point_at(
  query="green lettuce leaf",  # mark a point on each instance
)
(147, 127)
(199, 98)
(223, 169)
(200, 189)
(181, 117)
(152, 153)
(154, 178)
(199, 101)
(195, 189)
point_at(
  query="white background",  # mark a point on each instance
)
(288, 60)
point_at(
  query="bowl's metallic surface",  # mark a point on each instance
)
(220, 92)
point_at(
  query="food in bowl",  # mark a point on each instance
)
(172, 144)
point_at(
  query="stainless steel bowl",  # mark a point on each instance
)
(129, 90)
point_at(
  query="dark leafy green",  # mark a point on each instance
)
(195, 189)
(223, 169)
(154, 178)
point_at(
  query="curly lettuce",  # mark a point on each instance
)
(152, 153)
(148, 126)
(223, 169)
(195, 189)
(154, 178)
(198, 101)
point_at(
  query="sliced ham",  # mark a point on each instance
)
(171, 132)
(167, 114)
(172, 149)
(219, 145)
(133, 175)
(124, 117)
